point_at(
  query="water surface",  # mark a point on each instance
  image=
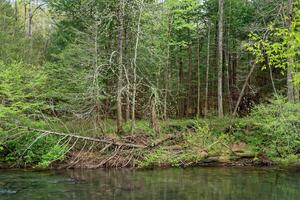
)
(171, 184)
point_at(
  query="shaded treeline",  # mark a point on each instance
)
(140, 59)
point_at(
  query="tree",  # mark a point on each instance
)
(120, 66)
(220, 58)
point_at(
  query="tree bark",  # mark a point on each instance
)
(228, 82)
(153, 118)
(220, 58)
(126, 64)
(189, 81)
(134, 87)
(167, 74)
(30, 16)
(198, 80)
(290, 67)
(207, 72)
(181, 80)
(297, 97)
(120, 62)
(272, 80)
(227, 61)
(16, 10)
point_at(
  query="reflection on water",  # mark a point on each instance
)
(196, 183)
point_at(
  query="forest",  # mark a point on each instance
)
(149, 83)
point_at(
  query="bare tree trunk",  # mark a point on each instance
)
(199, 80)
(25, 16)
(207, 72)
(120, 76)
(228, 65)
(127, 114)
(134, 87)
(181, 80)
(167, 75)
(189, 81)
(272, 80)
(220, 58)
(296, 87)
(30, 16)
(290, 67)
(96, 88)
(154, 120)
(243, 90)
(127, 111)
(228, 83)
(16, 10)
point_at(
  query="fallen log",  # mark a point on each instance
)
(106, 141)
(161, 141)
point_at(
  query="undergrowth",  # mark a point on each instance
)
(271, 129)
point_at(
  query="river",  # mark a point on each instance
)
(169, 184)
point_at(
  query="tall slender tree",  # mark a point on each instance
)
(290, 63)
(220, 57)
(207, 70)
(120, 66)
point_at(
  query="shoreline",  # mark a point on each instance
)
(207, 162)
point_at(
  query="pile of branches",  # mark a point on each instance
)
(101, 152)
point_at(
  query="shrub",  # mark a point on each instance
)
(273, 128)
(28, 148)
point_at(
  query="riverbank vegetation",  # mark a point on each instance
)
(149, 83)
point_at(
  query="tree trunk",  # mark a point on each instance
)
(134, 87)
(243, 90)
(227, 60)
(120, 62)
(220, 58)
(297, 97)
(25, 17)
(127, 111)
(290, 67)
(272, 80)
(30, 19)
(207, 72)
(228, 82)
(96, 89)
(167, 74)
(16, 10)
(189, 82)
(198, 81)
(181, 80)
(153, 118)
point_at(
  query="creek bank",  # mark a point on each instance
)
(193, 147)
(136, 159)
(268, 136)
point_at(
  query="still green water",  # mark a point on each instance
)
(171, 184)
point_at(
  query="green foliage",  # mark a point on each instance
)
(21, 89)
(193, 147)
(68, 73)
(28, 148)
(279, 46)
(55, 153)
(273, 129)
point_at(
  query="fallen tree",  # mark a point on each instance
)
(95, 152)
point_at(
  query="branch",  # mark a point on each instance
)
(111, 142)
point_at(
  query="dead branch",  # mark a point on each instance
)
(161, 141)
(107, 141)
